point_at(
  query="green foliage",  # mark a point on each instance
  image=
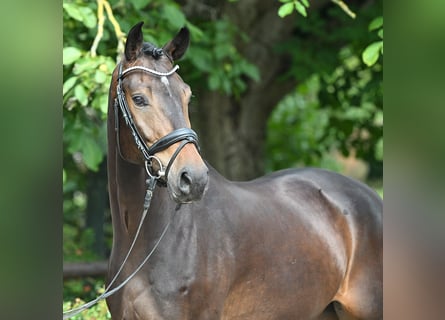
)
(342, 109)
(376, 24)
(337, 111)
(297, 128)
(372, 52)
(77, 244)
(88, 290)
(85, 86)
(301, 5)
(81, 12)
(77, 240)
(97, 312)
(290, 5)
(353, 94)
(216, 57)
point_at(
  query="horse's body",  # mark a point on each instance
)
(295, 244)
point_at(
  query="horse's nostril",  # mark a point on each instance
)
(185, 182)
(190, 184)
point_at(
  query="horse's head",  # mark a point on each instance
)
(151, 112)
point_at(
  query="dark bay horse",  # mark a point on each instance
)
(295, 244)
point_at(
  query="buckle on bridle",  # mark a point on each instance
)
(149, 168)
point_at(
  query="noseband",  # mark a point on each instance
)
(183, 135)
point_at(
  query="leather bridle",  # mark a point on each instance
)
(183, 135)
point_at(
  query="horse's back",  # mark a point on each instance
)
(322, 190)
(340, 189)
(305, 231)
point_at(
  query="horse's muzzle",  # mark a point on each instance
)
(189, 184)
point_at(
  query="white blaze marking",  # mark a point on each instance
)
(165, 81)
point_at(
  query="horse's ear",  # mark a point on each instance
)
(134, 42)
(178, 45)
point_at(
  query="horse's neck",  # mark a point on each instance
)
(125, 180)
(127, 197)
(126, 192)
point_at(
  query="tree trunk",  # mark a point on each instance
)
(96, 206)
(233, 131)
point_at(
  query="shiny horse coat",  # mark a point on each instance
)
(295, 244)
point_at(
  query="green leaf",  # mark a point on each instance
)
(73, 11)
(92, 154)
(83, 14)
(371, 54)
(380, 33)
(101, 103)
(223, 50)
(300, 8)
(68, 84)
(379, 149)
(81, 94)
(85, 64)
(86, 142)
(201, 58)
(305, 3)
(70, 54)
(285, 9)
(174, 16)
(100, 76)
(376, 23)
(214, 81)
(140, 4)
(103, 99)
(252, 71)
(88, 17)
(195, 31)
(226, 86)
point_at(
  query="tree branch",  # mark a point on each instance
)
(345, 8)
(100, 27)
(84, 269)
(101, 5)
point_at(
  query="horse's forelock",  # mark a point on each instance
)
(151, 50)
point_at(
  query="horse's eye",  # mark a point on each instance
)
(140, 101)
